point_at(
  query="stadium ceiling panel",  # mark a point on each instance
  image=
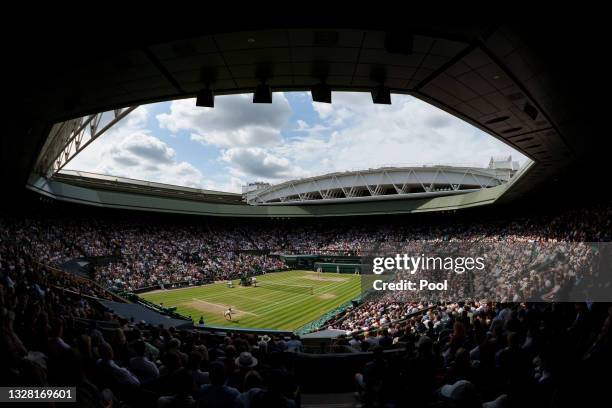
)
(488, 76)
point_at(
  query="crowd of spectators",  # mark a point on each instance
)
(561, 258)
(145, 254)
(445, 355)
(425, 352)
(464, 354)
(142, 255)
(55, 334)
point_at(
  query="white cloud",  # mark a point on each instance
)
(145, 147)
(355, 134)
(230, 184)
(258, 162)
(235, 120)
(138, 117)
(248, 136)
(129, 150)
(407, 132)
(246, 142)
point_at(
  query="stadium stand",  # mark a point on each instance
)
(525, 351)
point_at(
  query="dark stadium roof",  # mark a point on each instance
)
(515, 82)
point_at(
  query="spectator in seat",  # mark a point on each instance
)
(384, 340)
(183, 386)
(370, 382)
(171, 365)
(216, 394)
(110, 372)
(245, 363)
(141, 366)
(355, 343)
(174, 346)
(273, 394)
(461, 368)
(513, 362)
(194, 367)
(253, 384)
(461, 394)
(57, 346)
(370, 339)
(295, 344)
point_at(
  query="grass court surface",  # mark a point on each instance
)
(286, 304)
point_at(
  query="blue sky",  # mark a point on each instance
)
(239, 142)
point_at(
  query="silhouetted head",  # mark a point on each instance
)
(216, 371)
(139, 348)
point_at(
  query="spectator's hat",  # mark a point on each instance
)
(265, 338)
(462, 390)
(107, 396)
(499, 402)
(246, 360)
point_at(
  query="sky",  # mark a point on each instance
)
(238, 142)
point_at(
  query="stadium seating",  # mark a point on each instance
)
(56, 330)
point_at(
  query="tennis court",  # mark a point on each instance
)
(281, 300)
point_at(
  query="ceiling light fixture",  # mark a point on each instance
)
(206, 98)
(381, 95)
(263, 94)
(321, 93)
